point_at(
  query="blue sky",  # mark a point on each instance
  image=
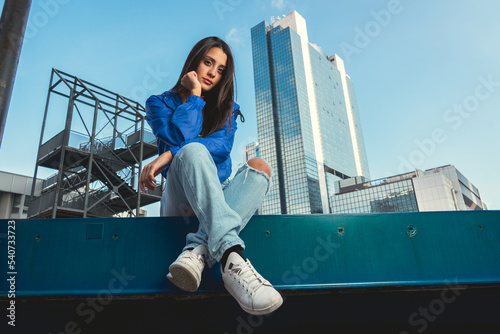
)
(427, 75)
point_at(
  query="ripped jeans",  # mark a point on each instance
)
(223, 209)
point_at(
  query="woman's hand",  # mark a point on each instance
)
(151, 170)
(191, 83)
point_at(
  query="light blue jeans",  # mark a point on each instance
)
(223, 209)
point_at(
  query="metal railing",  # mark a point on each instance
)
(51, 145)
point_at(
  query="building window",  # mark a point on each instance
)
(26, 205)
(17, 203)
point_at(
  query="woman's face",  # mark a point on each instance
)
(211, 69)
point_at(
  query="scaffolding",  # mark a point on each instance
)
(98, 155)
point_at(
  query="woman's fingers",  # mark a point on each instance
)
(190, 80)
(142, 182)
(147, 178)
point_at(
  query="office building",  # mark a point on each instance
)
(437, 189)
(15, 193)
(251, 151)
(307, 117)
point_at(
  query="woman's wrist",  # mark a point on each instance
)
(196, 91)
(164, 159)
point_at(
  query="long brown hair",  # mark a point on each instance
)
(219, 100)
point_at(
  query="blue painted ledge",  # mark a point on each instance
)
(378, 273)
(131, 255)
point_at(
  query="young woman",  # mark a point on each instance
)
(194, 124)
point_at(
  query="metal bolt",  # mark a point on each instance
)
(411, 230)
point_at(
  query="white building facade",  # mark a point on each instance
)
(437, 189)
(15, 191)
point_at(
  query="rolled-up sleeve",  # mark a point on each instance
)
(175, 126)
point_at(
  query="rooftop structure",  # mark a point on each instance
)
(96, 151)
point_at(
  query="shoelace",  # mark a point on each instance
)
(250, 276)
(196, 257)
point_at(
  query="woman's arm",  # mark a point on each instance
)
(175, 126)
(151, 170)
(186, 122)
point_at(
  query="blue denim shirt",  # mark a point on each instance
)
(176, 124)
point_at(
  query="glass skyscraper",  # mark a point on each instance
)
(307, 118)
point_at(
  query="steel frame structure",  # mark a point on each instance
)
(97, 177)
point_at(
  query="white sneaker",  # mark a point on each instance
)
(186, 271)
(254, 293)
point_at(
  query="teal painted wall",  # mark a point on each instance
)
(132, 255)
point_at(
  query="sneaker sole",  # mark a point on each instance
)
(182, 278)
(264, 311)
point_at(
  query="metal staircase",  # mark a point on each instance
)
(98, 155)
